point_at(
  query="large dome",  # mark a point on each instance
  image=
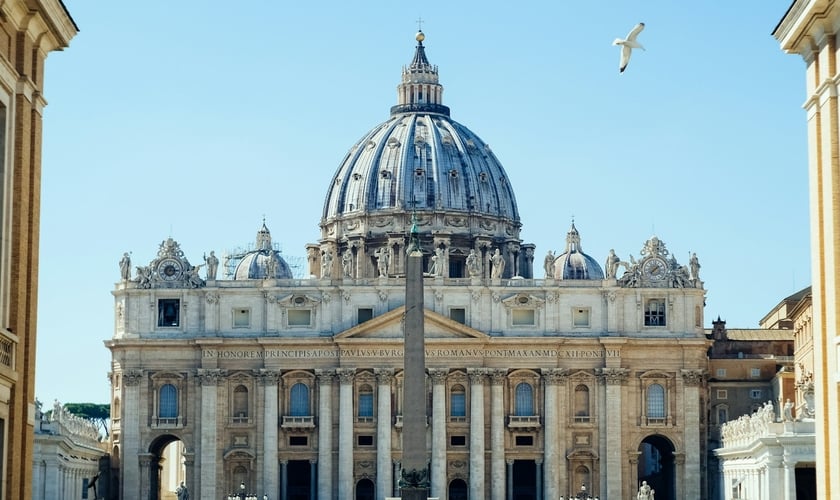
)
(420, 165)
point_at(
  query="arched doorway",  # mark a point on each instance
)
(166, 468)
(458, 490)
(656, 466)
(365, 490)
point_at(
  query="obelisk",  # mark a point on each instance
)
(414, 480)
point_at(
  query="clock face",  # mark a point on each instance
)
(169, 269)
(655, 268)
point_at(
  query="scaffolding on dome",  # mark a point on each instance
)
(232, 257)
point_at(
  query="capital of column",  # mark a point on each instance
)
(132, 378)
(438, 375)
(325, 377)
(679, 458)
(213, 376)
(555, 376)
(189, 458)
(497, 377)
(268, 377)
(145, 459)
(612, 376)
(345, 375)
(476, 375)
(633, 457)
(384, 375)
(693, 378)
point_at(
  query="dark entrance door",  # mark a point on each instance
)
(297, 474)
(656, 466)
(524, 480)
(806, 482)
(458, 490)
(365, 490)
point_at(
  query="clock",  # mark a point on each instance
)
(169, 269)
(655, 268)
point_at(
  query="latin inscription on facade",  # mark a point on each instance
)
(398, 353)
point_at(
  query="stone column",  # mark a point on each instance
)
(209, 379)
(189, 469)
(476, 432)
(130, 427)
(692, 380)
(345, 429)
(539, 472)
(438, 473)
(553, 377)
(269, 380)
(497, 434)
(325, 434)
(789, 490)
(284, 479)
(613, 378)
(396, 474)
(145, 463)
(383, 432)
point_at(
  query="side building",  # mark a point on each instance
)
(766, 448)
(29, 31)
(586, 380)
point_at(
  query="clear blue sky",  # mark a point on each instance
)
(196, 119)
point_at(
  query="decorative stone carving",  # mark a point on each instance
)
(476, 375)
(497, 377)
(346, 375)
(437, 375)
(555, 376)
(212, 298)
(384, 375)
(613, 376)
(325, 377)
(693, 378)
(210, 376)
(268, 377)
(132, 378)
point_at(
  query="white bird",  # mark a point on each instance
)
(628, 44)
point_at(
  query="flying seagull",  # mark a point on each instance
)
(628, 45)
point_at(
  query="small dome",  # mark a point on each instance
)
(258, 265)
(573, 264)
(264, 262)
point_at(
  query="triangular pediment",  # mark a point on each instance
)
(390, 326)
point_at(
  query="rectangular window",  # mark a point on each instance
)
(580, 317)
(458, 440)
(524, 440)
(366, 404)
(522, 317)
(300, 317)
(756, 393)
(458, 405)
(364, 314)
(722, 416)
(365, 440)
(298, 441)
(458, 314)
(655, 312)
(755, 372)
(169, 312)
(241, 318)
(721, 372)
(722, 394)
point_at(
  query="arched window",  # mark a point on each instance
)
(168, 401)
(457, 401)
(524, 400)
(240, 401)
(365, 401)
(656, 401)
(299, 404)
(581, 403)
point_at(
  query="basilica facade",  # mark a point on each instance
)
(586, 380)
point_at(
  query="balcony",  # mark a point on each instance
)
(398, 421)
(656, 421)
(241, 419)
(289, 422)
(582, 419)
(522, 422)
(167, 422)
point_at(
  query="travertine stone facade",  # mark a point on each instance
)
(535, 388)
